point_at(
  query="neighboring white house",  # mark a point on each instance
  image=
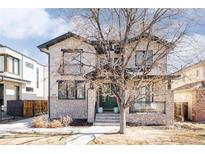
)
(21, 77)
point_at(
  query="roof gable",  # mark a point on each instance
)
(96, 43)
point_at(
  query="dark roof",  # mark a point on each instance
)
(152, 38)
(61, 38)
(1, 45)
(94, 42)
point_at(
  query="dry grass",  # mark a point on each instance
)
(181, 133)
(34, 139)
(66, 121)
(43, 122)
(55, 124)
(40, 122)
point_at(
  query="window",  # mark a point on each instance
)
(80, 89)
(1, 63)
(16, 66)
(29, 89)
(10, 64)
(13, 65)
(37, 77)
(72, 62)
(71, 90)
(29, 65)
(140, 57)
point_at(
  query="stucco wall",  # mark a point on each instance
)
(191, 75)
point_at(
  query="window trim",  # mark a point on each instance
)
(13, 59)
(75, 87)
(79, 51)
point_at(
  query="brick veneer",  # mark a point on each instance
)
(198, 105)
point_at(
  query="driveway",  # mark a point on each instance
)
(79, 135)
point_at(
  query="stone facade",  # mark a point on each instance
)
(147, 118)
(166, 118)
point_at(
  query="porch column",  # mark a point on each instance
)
(169, 105)
(91, 105)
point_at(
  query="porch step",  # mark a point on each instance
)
(107, 119)
(105, 124)
(107, 115)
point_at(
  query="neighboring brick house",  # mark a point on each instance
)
(190, 89)
(71, 93)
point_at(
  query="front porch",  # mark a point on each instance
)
(156, 111)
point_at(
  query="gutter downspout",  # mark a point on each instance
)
(49, 115)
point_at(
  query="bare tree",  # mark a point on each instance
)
(123, 32)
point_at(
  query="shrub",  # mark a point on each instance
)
(66, 121)
(40, 122)
(55, 124)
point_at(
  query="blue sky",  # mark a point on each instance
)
(24, 29)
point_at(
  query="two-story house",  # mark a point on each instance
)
(21, 77)
(189, 89)
(72, 93)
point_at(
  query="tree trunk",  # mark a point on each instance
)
(122, 120)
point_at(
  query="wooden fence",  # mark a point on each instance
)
(27, 108)
(35, 107)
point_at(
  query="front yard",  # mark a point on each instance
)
(32, 139)
(181, 133)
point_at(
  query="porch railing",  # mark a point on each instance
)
(148, 107)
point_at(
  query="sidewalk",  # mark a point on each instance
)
(79, 135)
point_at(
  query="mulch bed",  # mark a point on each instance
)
(80, 123)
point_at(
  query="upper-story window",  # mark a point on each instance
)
(72, 62)
(29, 65)
(140, 58)
(13, 65)
(1, 63)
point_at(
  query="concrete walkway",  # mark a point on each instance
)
(87, 135)
(79, 135)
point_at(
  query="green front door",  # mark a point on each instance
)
(107, 101)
